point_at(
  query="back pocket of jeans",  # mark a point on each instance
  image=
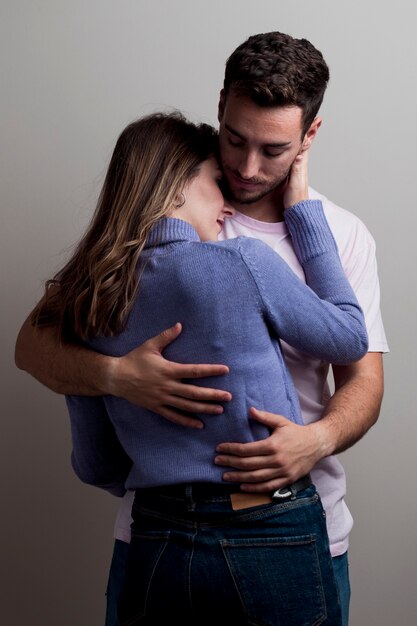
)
(145, 552)
(278, 579)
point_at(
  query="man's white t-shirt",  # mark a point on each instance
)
(357, 252)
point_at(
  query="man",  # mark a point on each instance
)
(273, 88)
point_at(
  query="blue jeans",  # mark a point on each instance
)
(341, 572)
(194, 559)
(119, 565)
(118, 571)
(116, 580)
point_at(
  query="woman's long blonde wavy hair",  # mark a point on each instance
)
(152, 161)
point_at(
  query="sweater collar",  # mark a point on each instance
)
(171, 230)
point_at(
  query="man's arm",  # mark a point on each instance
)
(291, 451)
(64, 368)
(355, 406)
(142, 377)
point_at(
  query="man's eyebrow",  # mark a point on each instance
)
(267, 145)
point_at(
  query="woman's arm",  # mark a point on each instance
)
(323, 320)
(97, 456)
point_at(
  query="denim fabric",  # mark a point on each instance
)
(341, 572)
(119, 565)
(194, 560)
(116, 580)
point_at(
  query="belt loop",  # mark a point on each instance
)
(189, 497)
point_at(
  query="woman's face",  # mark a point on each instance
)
(204, 207)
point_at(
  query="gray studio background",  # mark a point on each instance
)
(73, 74)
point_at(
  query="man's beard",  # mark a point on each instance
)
(245, 197)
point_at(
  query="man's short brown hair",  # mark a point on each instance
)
(274, 69)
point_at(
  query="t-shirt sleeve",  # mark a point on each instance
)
(362, 271)
(97, 456)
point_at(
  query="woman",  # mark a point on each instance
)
(200, 552)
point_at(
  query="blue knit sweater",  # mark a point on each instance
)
(235, 300)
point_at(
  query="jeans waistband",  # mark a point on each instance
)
(202, 491)
(198, 491)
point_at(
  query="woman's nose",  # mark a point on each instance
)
(228, 210)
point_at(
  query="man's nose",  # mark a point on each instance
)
(248, 166)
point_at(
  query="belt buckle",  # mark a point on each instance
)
(284, 493)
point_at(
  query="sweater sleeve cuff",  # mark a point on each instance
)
(309, 230)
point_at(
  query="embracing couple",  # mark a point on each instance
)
(225, 443)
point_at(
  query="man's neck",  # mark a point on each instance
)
(268, 209)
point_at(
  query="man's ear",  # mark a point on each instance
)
(311, 133)
(220, 109)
